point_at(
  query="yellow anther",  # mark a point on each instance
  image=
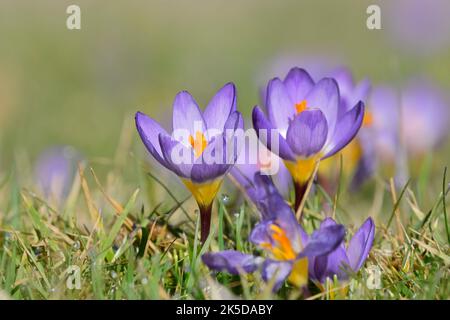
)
(301, 106)
(199, 143)
(282, 250)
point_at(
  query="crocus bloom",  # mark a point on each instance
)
(199, 149)
(358, 153)
(287, 245)
(305, 123)
(55, 170)
(424, 117)
(344, 260)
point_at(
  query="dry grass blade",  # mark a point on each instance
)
(93, 211)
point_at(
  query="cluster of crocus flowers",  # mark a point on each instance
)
(410, 122)
(201, 148)
(305, 123)
(287, 246)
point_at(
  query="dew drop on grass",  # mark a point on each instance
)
(76, 245)
(225, 198)
(207, 289)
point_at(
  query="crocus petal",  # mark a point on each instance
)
(233, 132)
(279, 270)
(249, 163)
(213, 161)
(234, 262)
(298, 83)
(325, 96)
(360, 92)
(328, 222)
(242, 173)
(280, 107)
(220, 107)
(207, 172)
(178, 157)
(149, 131)
(344, 78)
(360, 245)
(367, 163)
(270, 203)
(261, 233)
(323, 241)
(187, 115)
(307, 133)
(334, 263)
(267, 134)
(346, 129)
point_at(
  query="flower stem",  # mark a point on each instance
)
(301, 192)
(205, 221)
(300, 189)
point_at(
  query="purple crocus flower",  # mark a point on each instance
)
(424, 117)
(287, 245)
(344, 260)
(55, 170)
(305, 123)
(199, 149)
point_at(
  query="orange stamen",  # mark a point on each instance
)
(199, 143)
(283, 249)
(301, 106)
(368, 119)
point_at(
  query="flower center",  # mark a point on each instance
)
(301, 106)
(282, 247)
(199, 143)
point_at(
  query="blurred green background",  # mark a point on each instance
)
(79, 87)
